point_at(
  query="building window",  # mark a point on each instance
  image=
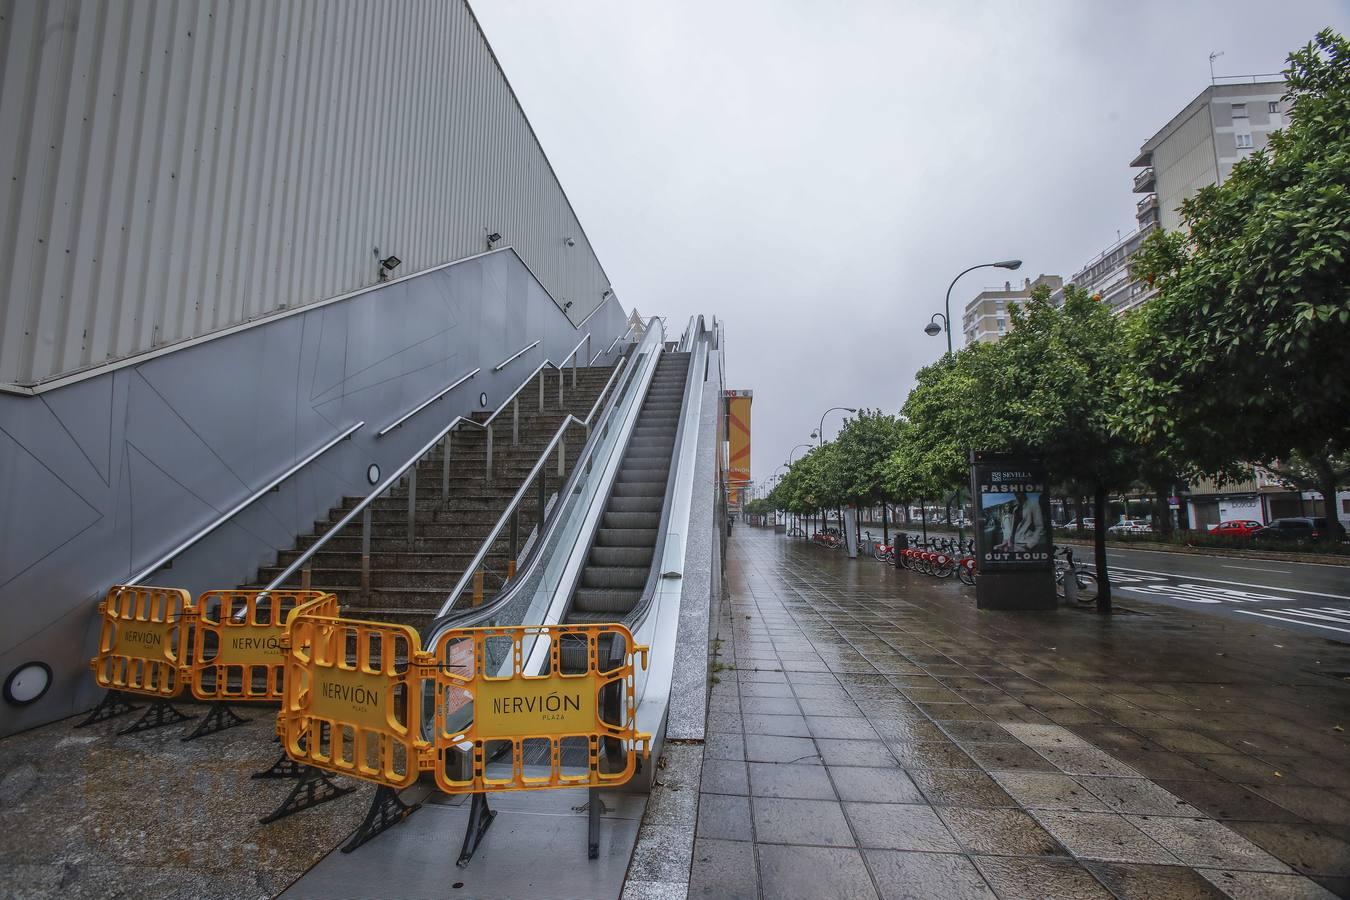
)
(1239, 110)
(1273, 107)
(1244, 141)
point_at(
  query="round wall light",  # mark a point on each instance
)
(28, 683)
(482, 399)
(373, 474)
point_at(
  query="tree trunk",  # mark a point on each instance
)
(1162, 513)
(885, 534)
(1078, 514)
(1099, 544)
(1326, 483)
(923, 517)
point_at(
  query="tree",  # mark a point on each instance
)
(861, 452)
(1242, 357)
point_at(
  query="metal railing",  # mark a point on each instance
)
(244, 504)
(303, 564)
(425, 403)
(514, 356)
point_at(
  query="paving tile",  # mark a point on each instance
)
(942, 754)
(854, 753)
(1306, 847)
(724, 817)
(1222, 800)
(999, 832)
(1034, 790)
(820, 692)
(900, 826)
(812, 873)
(977, 732)
(1136, 795)
(907, 728)
(724, 869)
(774, 706)
(1312, 803)
(771, 748)
(1165, 765)
(1086, 761)
(909, 875)
(785, 726)
(1011, 756)
(816, 707)
(724, 746)
(1105, 836)
(957, 787)
(1132, 881)
(760, 689)
(839, 727)
(1263, 885)
(799, 781)
(874, 784)
(1205, 842)
(1013, 878)
(1183, 740)
(1045, 735)
(724, 776)
(816, 822)
(663, 853)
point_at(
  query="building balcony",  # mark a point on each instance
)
(1144, 181)
(1145, 205)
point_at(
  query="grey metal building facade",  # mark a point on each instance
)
(173, 169)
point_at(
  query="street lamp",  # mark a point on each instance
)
(932, 329)
(820, 432)
(793, 452)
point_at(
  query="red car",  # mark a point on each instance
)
(1236, 528)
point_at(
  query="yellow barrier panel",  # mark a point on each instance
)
(143, 640)
(572, 725)
(352, 699)
(237, 644)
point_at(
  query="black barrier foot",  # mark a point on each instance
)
(285, 767)
(160, 713)
(597, 806)
(218, 719)
(480, 818)
(113, 704)
(313, 788)
(386, 811)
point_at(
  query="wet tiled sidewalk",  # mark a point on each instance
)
(872, 734)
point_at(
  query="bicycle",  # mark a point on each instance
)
(1084, 582)
(828, 538)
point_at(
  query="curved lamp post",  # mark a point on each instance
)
(793, 452)
(820, 431)
(933, 329)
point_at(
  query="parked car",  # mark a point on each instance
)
(1088, 524)
(1293, 530)
(1131, 526)
(1236, 528)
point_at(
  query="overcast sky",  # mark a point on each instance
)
(815, 173)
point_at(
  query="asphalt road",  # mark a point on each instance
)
(1312, 598)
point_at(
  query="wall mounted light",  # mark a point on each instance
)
(373, 473)
(493, 238)
(27, 683)
(571, 242)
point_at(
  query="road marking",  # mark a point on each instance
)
(1256, 569)
(1247, 584)
(1342, 619)
(1296, 562)
(1247, 612)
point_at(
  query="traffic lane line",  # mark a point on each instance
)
(1320, 615)
(1303, 622)
(1181, 555)
(1247, 584)
(1258, 569)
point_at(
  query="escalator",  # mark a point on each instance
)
(620, 557)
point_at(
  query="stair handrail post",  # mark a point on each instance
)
(445, 471)
(412, 507)
(487, 474)
(562, 456)
(515, 421)
(561, 375)
(541, 390)
(365, 552)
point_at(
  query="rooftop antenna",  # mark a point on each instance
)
(1213, 56)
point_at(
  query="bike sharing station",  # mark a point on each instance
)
(1014, 548)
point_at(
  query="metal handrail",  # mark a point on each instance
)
(514, 356)
(425, 403)
(510, 513)
(409, 468)
(241, 506)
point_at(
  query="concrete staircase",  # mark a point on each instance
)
(408, 584)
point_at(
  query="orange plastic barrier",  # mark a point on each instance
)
(572, 725)
(352, 697)
(143, 640)
(237, 642)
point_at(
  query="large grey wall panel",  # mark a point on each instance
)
(171, 169)
(100, 478)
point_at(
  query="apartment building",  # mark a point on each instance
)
(986, 319)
